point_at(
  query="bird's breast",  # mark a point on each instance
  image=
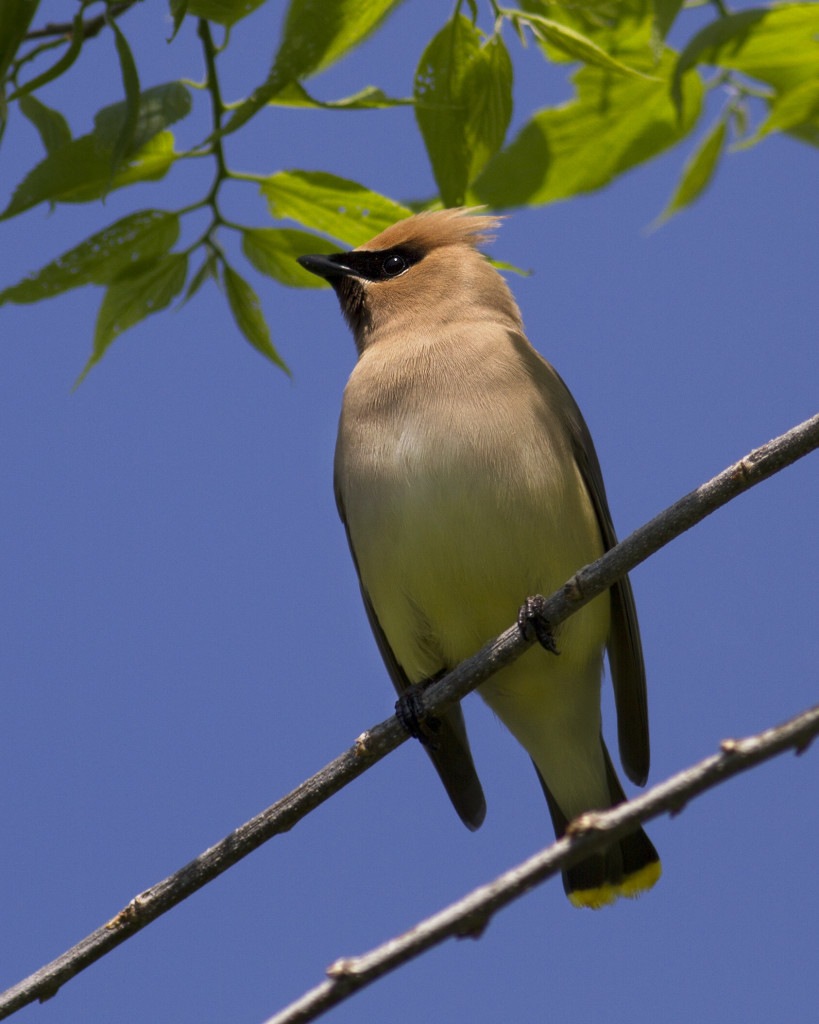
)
(459, 504)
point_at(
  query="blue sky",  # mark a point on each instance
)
(182, 636)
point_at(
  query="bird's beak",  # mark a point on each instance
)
(328, 267)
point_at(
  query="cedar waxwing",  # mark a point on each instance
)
(467, 480)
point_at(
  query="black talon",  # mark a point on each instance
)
(534, 625)
(413, 716)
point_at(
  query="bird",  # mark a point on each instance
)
(467, 480)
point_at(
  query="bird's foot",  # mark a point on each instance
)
(534, 625)
(413, 716)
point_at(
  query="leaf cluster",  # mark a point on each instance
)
(632, 97)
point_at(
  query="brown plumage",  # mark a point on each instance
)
(467, 480)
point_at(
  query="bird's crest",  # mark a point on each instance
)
(435, 229)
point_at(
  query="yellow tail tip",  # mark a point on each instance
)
(631, 887)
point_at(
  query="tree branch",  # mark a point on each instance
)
(379, 741)
(90, 28)
(470, 915)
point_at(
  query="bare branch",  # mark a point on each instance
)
(379, 741)
(592, 580)
(90, 28)
(470, 915)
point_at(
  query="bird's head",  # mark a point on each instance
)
(418, 274)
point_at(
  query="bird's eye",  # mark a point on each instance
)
(394, 265)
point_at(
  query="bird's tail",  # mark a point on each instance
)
(628, 867)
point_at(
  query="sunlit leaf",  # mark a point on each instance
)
(577, 46)
(223, 12)
(247, 312)
(50, 124)
(463, 103)
(316, 33)
(698, 171)
(335, 206)
(795, 109)
(102, 257)
(273, 251)
(613, 124)
(510, 268)
(441, 104)
(777, 45)
(145, 289)
(489, 80)
(81, 171)
(370, 98)
(614, 25)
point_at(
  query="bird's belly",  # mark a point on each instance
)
(450, 542)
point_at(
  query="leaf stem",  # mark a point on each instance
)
(217, 107)
(216, 149)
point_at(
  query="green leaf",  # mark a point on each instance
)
(698, 170)
(463, 104)
(335, 206)
(208, 269)
(247, 312)
(124, 142)
(613, 124)
(15, 18)
(576, 45)
(665, 14)
(806, 133)
(223, 12)
(62, 65)
(316, 33)
(614, 25)
(102, 257)
(179, 8)
(81, 171)
(782, 49)
(51, 125)
(740, 116)
(150, 163)
(144, 289)
(777, 45)
(510, 268)
(797, 108)
(489, 80)
(369, 98)
(441, 104)
(273, 251)
(159, 107)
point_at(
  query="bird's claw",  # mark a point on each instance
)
(412, 714)
(534, 625)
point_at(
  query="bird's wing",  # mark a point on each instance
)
(450, 754)
(625, 649)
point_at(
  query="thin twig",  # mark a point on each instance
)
(90, 28)
(379, 741)
(592, 580)
(470, 915)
